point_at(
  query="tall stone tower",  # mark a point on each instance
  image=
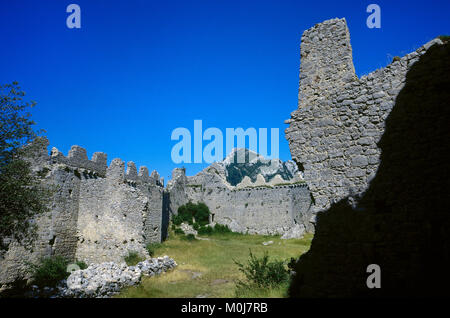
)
(326, 61)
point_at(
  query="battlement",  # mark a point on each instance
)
(78, 158)
(274, 187)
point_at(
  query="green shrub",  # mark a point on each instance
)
(179, 231)
(49, 271)
(177, 220)
(189, 211)
(219, 228)
(205, 230)
(81, 264)
(202, 214)
(189, 237)
(196, 226)
(133, 258)
(152, 247)
(262, 273)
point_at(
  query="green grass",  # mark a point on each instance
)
(211, 261)
(133, 258)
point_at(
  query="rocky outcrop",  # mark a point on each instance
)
(106, 279)
(243, 163)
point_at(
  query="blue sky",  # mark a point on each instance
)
(136, 70)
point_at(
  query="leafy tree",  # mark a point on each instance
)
(189, 211)
(21, 193)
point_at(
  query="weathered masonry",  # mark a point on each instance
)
(98, 213)
(261, 207)
(340, 118)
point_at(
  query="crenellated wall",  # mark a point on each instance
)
(268, 208)
(98, 213)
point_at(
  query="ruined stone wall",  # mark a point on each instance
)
(97, 213)
(333, 134)
(255, 209)
(392, 125)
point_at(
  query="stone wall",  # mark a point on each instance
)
(389, 128)
(333, 134)
(254, 208)
(97, 213)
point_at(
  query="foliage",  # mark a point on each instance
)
(21, 193)
(189, 237)
(178, 231)
(81, 264)
(189, 211)
(219, 228)
(196, 226)
(133, 258)
(205, 230)
(49, 271)
(152, 247)
(177, 219)
(214, 259)
(262, 273)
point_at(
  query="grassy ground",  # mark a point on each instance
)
(206, 267)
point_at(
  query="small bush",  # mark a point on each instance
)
(50, 271)
(262, 273)
(396, 58)
(219, 228)
(189, 211)
(205, 230)
(196, 226)
(81, 264)
(178, 231)
(133, 258)
(177, 220)
(189, 237)
(152, 247)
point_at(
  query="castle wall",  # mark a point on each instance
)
(97, 213)
(381, 140)
(340, 118)
(253, 210)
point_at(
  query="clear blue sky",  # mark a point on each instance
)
(136, 70)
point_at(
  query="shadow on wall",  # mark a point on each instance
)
(402, 221)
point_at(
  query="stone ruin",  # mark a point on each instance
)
(98, 213)
(333, 134)
(374, 152)
(260, 207)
